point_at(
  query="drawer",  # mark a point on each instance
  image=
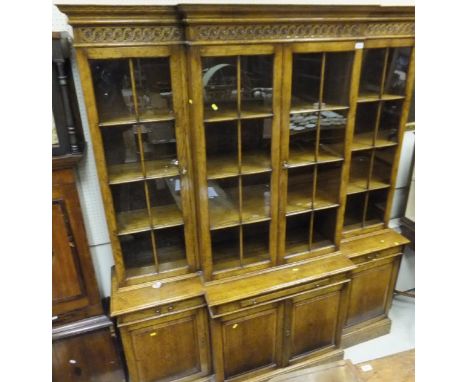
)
(389, 252)
(161, 311)
(276, 296)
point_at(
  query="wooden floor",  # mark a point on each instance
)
(394, 368)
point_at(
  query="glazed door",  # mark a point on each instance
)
(236, 117)
(141, 148)
(313, 322)
(174, 348)
(248, 341)
(317, 113)
(371, 290)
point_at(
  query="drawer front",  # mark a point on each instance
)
(161, 311)
(276, 296)
(389, 252)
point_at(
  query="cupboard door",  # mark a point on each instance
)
(169, 349)
(314, 322)
(370, 291)
(142, 154)
(315, 122)
(237, 128)
(250, 340)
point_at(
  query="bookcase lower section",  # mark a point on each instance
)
(365, 332)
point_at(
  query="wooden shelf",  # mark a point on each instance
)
(373, 97)
(299, 157)
(227, 114)
(359, 184)
(154, 116)
(124, 173)
(165, 216)
(116, 119)
(364, 141)
(299, 200)
(255, 163)
(223, 216)
(120, 120)
(307, 107)
(161, 168)
(324, 199)
(227, 166)
(256, 111)
(231, 114)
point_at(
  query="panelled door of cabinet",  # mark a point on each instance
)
(371, 290)
(314, 322)
(318, 111)
(247, 342)
(137, 112)
(166, 349)
(235, 113)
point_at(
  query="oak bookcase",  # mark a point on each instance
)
(247, 158)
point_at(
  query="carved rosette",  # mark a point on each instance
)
(128, 35)
(301, 31)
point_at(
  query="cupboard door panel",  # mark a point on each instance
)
(167, 351)
(250, 342)
(368, 293)
(313, 324)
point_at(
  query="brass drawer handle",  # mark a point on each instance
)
(248, 303)
(170, 308)
(372, 256)
(321, 282)
(158, 311)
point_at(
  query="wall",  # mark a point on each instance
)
(88, 186)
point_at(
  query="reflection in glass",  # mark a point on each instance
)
(337, 79)
(113, 90)
(256, 197)
(306, 73)
(225, 248)
(170, 246)
(376, 207)
(297, 233)
(130, 207)
(256, 84)
(371, 72)
(302, 138)
(255, 242)
(219, 76)
(223, 202)
(153, 87)
(256, 145)
(397, 70)
(137, 253)
(300, 188)
(221, 149)
(122, 153)
(354, 211)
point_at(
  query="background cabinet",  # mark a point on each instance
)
(247, 157)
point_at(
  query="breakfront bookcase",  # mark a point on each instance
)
(247, 158)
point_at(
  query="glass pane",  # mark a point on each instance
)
(359, 173)
(256, 197)
(160, 149)
(306, 73)
(219, 76)
(328, 185)
(256, 84)
(382, 168)
(371, 72)
(256, 242)
(130, 207)
(166, 202)
(397, 70)
(338, 67)
(376, 207)
(354, 211)
(221, 149)
(170, 245)
(324, 228)
(153, 86)
(113, 90)
(297, 233)
(256, 145)
(137, 253)
(366, 118)
(300, 189)
(122, 153)
(225, 248)
(302, 138)
(332, 135)
(389, 122)
(223, 202)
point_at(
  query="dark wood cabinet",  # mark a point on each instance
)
(74, 289)
(247, 158)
